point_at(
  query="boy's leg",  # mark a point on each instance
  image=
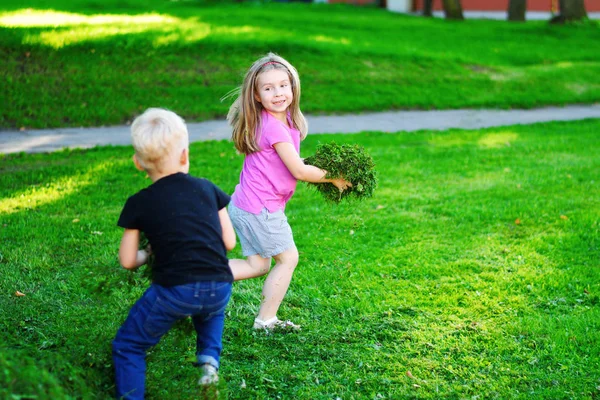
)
(209, 342)
(277, 283)
(209, 323)
(146, 323)
(252, 267)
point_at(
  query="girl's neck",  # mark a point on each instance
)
(281, 117)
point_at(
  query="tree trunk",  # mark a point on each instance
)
(570, 10)
(516, 10)
(428, 8)
(453, 9)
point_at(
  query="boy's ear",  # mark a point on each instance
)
(137, 163)
(185, 156)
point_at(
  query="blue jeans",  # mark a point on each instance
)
(154, 314)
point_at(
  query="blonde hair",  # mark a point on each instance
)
(244, 114)
(156, 134)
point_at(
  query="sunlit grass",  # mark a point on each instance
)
(49, 192)
(498, 139)
(474, 268)
(107, 61)
(70, 29)
(28, 18)
(328, 39)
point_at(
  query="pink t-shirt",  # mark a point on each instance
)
(265, 181)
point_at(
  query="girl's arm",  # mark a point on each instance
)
(129, 255)
(303, 172)
(227, 229)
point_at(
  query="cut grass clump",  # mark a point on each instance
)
(347, 161)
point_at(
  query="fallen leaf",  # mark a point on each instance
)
(379, 207)
(586, 291)
(564, 217)
(243, 385)
(96, 233)
(410, 375)
(351, 232)
(76, 220)
(416, 386)
(517, 221)
(19, 294)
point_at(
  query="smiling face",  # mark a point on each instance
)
(274, 92)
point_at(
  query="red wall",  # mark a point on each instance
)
(502, 5)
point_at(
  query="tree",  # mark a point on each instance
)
(516, 10)
(428, 8)
(570, 10)
(453, 9)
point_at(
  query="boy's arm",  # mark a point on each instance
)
(227, 229)
(129, 255)
(303, 172)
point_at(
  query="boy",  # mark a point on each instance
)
(186, 222)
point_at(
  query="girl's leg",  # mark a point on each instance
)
(252, 267)
(277, 283)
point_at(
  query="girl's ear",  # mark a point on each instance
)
(137, 163)
(256, 97)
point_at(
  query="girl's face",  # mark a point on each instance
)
(274, 92)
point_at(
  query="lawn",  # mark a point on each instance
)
(472, 273)
(90, 63)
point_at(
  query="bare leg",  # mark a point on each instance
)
(277, 283)
(251, 267)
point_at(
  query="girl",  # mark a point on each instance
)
(267, 128)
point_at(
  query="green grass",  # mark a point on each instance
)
(88, 63)
(475, 266)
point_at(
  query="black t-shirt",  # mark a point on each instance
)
(179, 214)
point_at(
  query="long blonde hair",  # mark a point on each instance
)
(244, 114)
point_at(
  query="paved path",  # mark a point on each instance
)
(54, 139)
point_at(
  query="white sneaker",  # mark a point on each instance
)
(209, 375)
(274, 324)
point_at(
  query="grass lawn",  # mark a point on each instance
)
(473, 273)
(89, 62)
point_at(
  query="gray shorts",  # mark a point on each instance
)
(266, 234)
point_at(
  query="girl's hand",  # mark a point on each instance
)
(341, 184)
